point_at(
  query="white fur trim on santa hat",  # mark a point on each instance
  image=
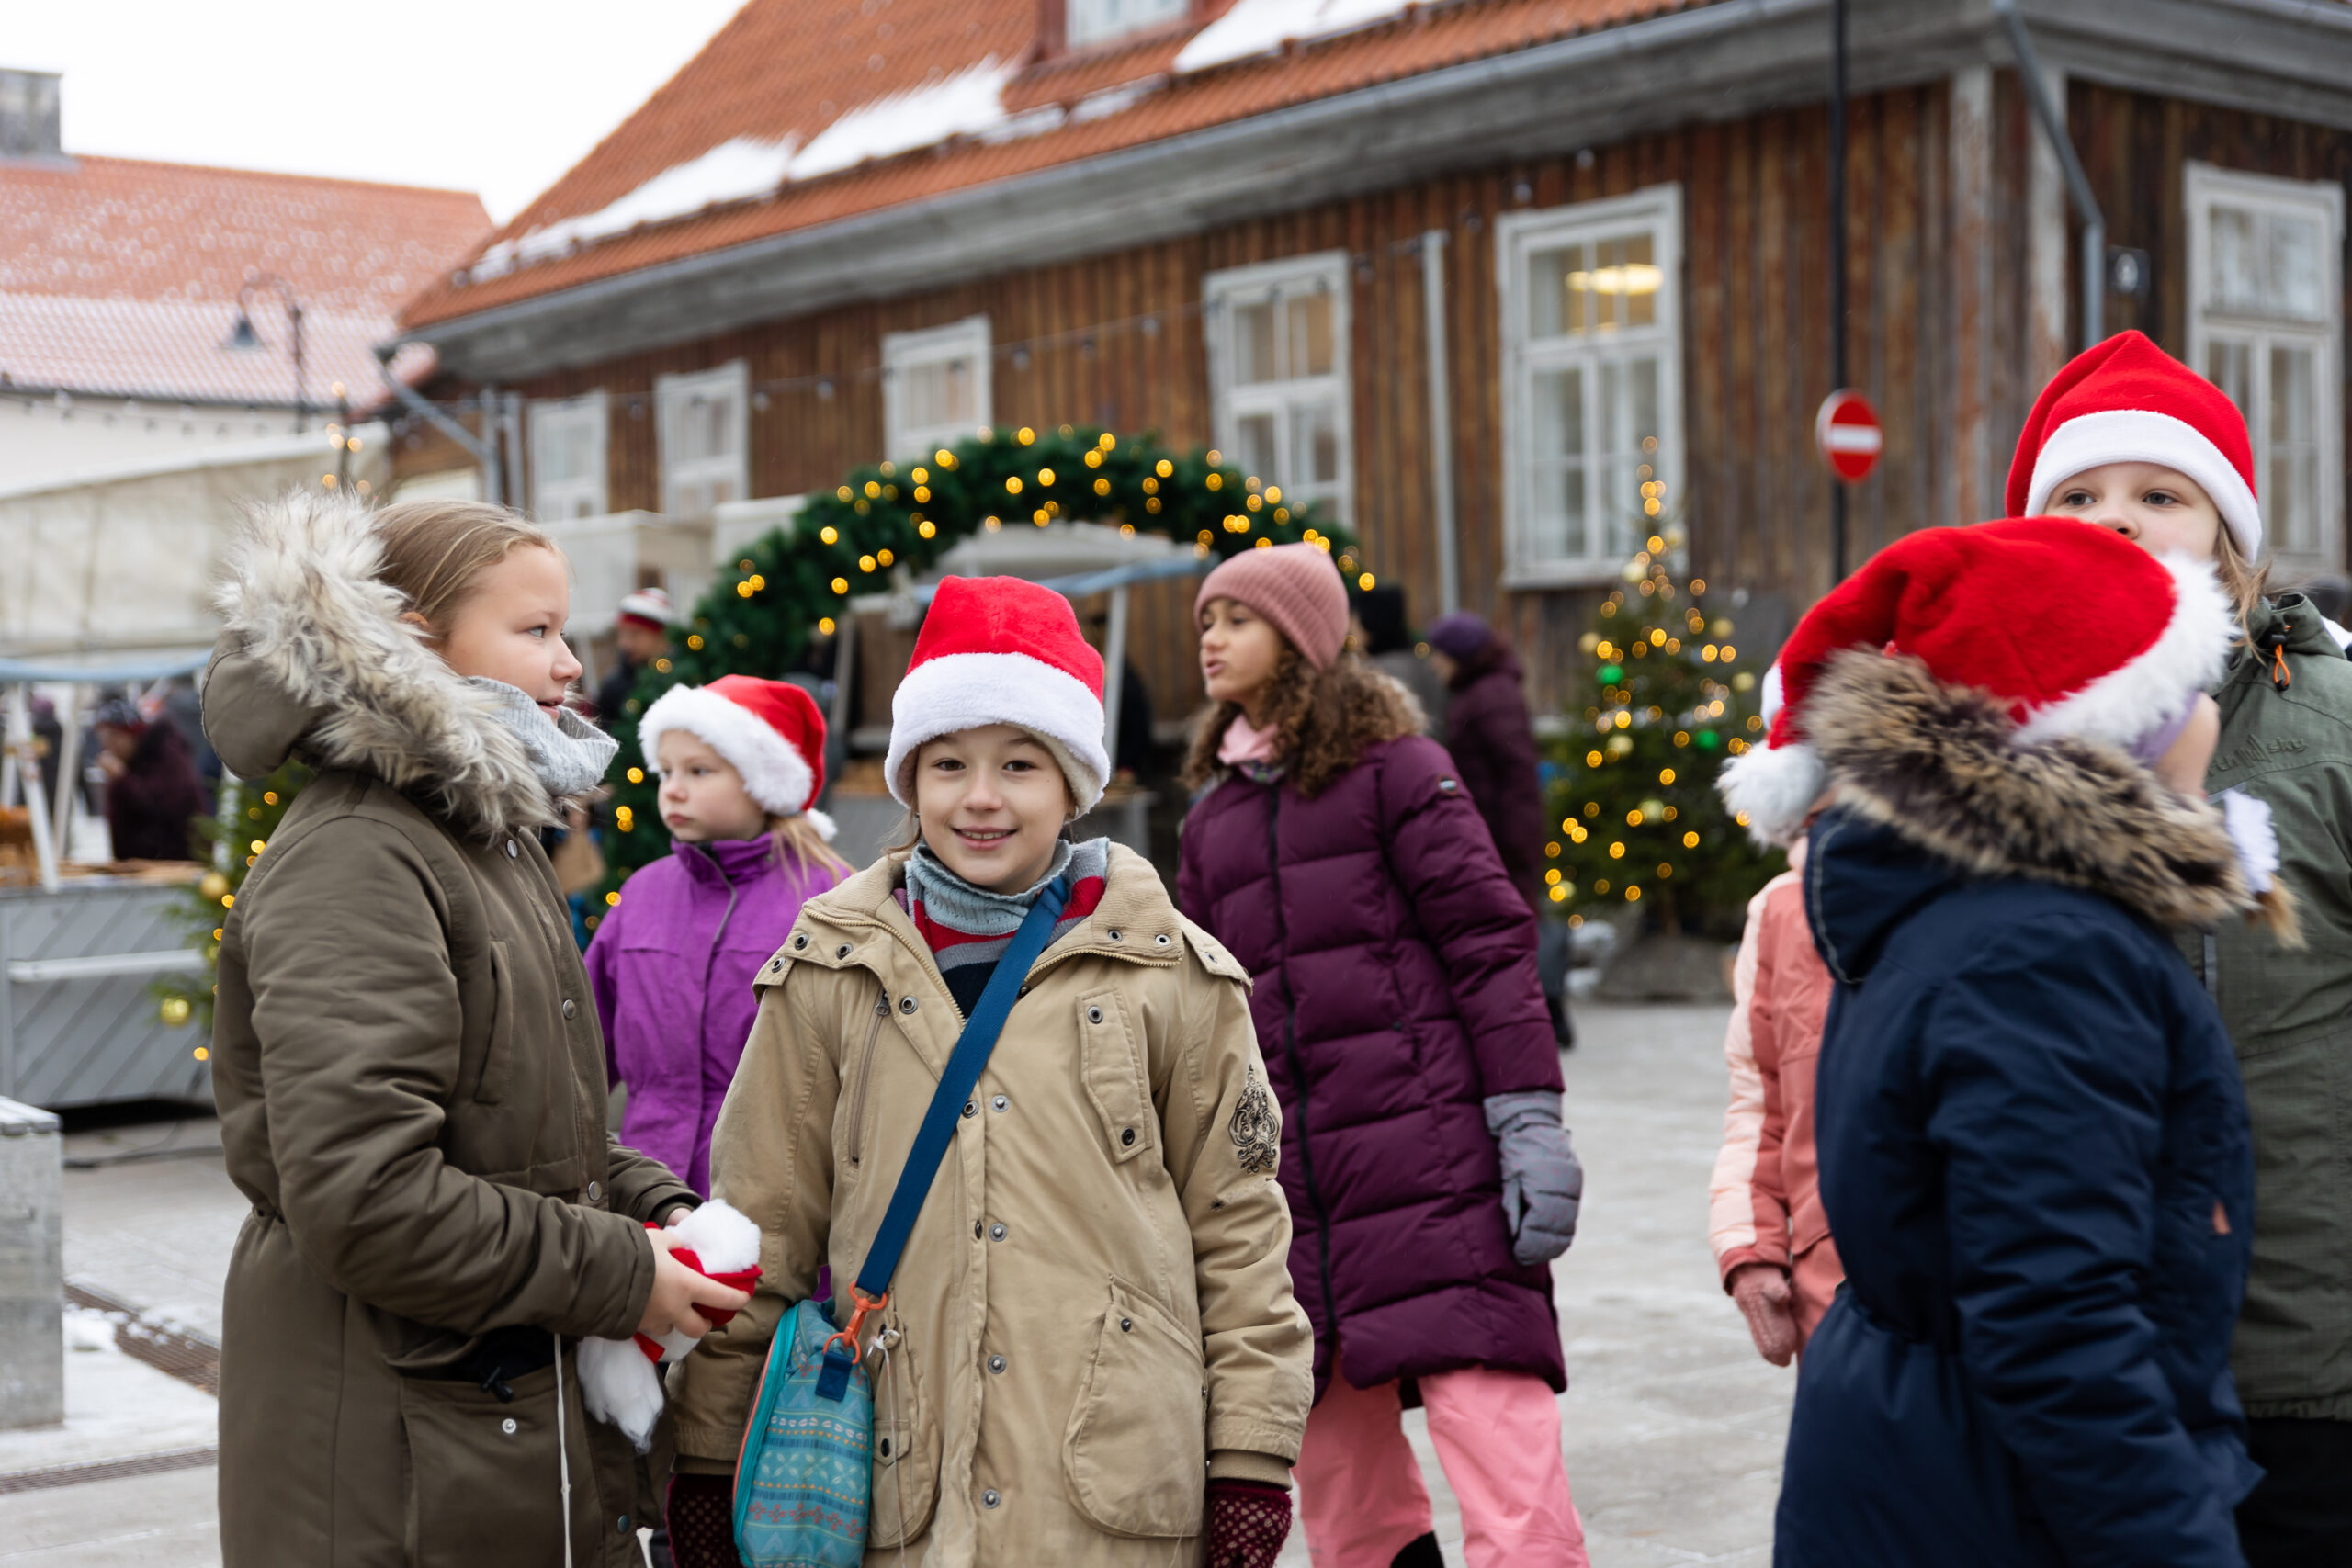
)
(619, 1387)
(775, 775)
(2143, 436)
(2134, 698)
(1774, 787)
(966, 690)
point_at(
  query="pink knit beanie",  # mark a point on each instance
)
(1296, 587)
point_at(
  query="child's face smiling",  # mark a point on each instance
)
(2161, 510)
(991, 802)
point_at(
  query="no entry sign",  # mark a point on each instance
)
(1847, 430)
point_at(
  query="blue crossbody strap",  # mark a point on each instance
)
(964, 1065)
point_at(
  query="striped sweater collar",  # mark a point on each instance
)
(963, 924)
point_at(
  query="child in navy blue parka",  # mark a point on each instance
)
(2034, 1149)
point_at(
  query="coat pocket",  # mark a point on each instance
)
(486, 1474)
(1111, 1053)
(1137, 1453)
(498, 1051)
(906, 1449)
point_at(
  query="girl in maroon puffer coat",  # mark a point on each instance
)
(1334, 850)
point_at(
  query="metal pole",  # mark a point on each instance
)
(301, 408)
(2052, 117)
(1115, 666)
(36, 799)
(1449, 548)
(484, 452)
(1837, 266)
(69, 769)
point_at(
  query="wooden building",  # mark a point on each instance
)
(1476, 273)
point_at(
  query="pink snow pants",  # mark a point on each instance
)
(1497, 1435)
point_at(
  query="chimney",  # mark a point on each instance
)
(28, 126)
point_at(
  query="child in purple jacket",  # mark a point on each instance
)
(742, 762)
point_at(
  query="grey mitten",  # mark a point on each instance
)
(1543, 1183)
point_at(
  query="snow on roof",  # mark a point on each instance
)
(119, 277)
(970, 102)
(1261, 27)
(809, 106)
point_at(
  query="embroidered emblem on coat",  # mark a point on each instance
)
(1257, 1137)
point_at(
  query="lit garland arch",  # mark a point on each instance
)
(758, 617)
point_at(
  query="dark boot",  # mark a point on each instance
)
(1421, 1553)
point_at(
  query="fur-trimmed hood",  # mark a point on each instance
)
(1943, 767)
(315, 663)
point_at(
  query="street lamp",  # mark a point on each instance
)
(243, 339)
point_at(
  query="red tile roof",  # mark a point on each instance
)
(119, 277)
(782, 71)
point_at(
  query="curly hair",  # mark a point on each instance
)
(1322, 718)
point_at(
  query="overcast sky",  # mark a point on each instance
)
(495, 96)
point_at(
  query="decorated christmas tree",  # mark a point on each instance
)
(1663, 701)
(240, 832)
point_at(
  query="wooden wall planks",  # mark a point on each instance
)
(1937, 336)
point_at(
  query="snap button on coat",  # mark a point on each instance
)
(996, 1363)
(596, 1191)
(800, 941)
(1000, 1102)
(1126, 1136)
(570, 1007)
(997, 1230)
(510, 849)
(842, 952)
(971, 1107)
(1093, 1015)
(508, 1427)
(988, 1499)
(906, 1004)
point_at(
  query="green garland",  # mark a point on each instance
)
(759, 616)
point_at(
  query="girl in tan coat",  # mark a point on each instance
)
(410, 1076)
(1090, 1353)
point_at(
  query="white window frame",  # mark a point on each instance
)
(555, 500)
(671, 393)
(2204, 186)
(1229, 403)
(1085, 24)
(1518, 235)
(903, 352)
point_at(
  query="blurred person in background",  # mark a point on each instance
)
(642, 635)
(152, 790)
(1493, 746)
(1384, 637)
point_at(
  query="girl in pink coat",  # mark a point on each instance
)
(741, 762)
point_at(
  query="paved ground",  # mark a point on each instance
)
(1673, 1426)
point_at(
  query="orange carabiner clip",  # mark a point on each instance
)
(865, 1303)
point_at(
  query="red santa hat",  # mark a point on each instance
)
(647, 608)
(2076, 630)
(769, 731)
(2126, 401)
(1002, 650)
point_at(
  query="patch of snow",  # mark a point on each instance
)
(1028, 122)
(1115, 101)
(89, 1329)
(1260, 27)
(735, 170)
(965, 104)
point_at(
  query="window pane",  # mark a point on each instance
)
(2298, 271)
(1254, 344)
(2229, 364)
(1254, 445)
(2292, 490)
(1558, 524)
(1629, 427)
(2236, 282)
(1642, 280)
(1314, 444)
(1309, 317)
(1557, 298)
(941, 392)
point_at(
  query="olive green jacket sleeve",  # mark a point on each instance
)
(771, 1157)
(356, 1009)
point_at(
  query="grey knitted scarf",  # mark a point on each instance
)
(568, 752)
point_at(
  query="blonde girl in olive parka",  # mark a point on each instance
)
(2129, 439)
(408, 1068)
(1090, 1353)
